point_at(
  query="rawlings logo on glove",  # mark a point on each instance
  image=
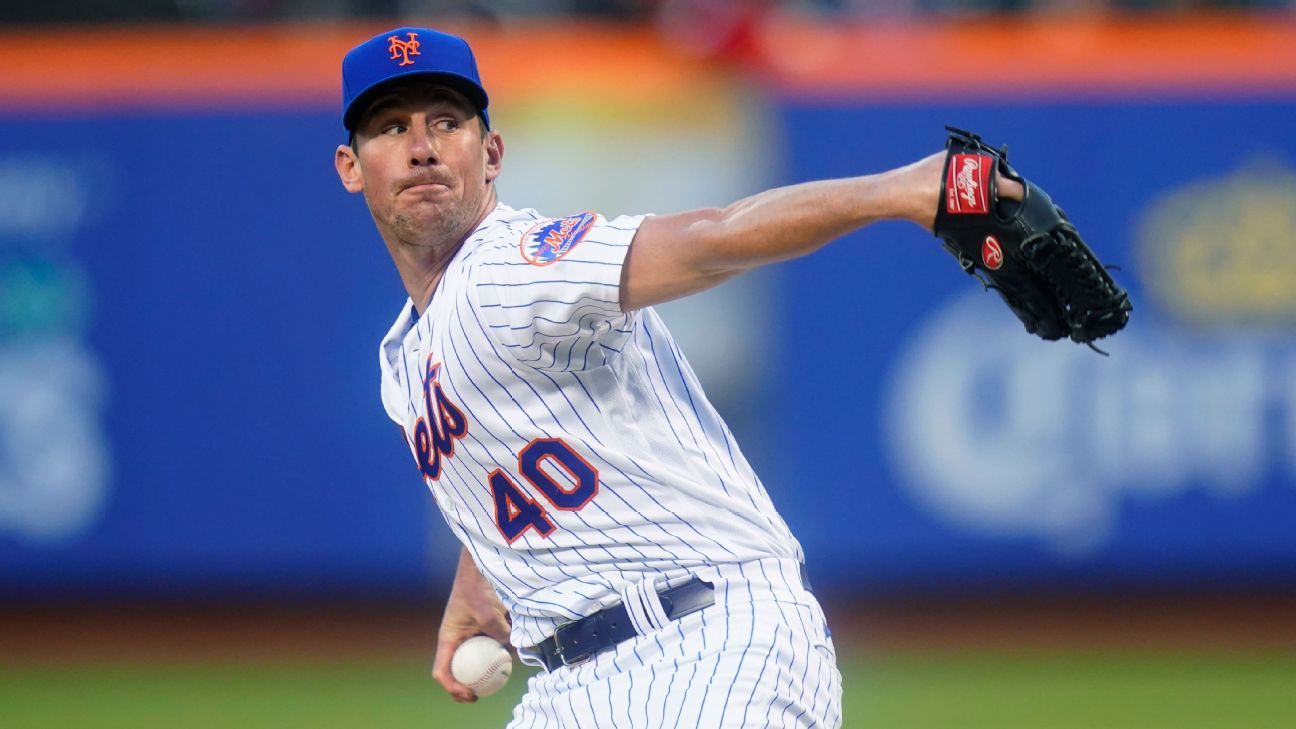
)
(1027, 250)
(967, 184)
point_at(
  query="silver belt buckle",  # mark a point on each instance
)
(558, 645)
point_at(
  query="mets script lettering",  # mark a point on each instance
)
(549, 241)
(441, 424)
(558, 237)
(403, 49)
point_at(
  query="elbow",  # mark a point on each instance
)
(716, 250)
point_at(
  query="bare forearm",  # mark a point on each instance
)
(467, 576)
(676, 255)
(788, 222)
(472, 609)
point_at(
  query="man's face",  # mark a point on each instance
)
(424, 162)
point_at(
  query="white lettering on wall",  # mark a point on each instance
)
(999, 433)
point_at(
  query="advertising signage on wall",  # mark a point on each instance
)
(190, 308)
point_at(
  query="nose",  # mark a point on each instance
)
(422, 146)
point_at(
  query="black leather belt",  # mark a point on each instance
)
(581, 639)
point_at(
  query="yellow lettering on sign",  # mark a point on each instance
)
(1224, 250)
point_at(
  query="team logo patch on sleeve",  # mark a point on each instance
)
(550, 240)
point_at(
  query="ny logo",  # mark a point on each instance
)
(403, 49)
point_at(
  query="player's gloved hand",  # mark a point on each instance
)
(923, 186)
(1024, 248)
(472, 609)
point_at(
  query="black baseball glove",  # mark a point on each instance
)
(1027, 251)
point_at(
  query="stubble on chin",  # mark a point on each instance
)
(416, 229)
(421, 233)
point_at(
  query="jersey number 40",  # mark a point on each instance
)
(542, 459)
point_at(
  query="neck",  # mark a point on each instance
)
(422, 265)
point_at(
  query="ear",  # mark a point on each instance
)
(494, 155)
(348, 168)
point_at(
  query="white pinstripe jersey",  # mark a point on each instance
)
(568, 444)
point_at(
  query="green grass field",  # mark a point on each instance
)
(965, 691)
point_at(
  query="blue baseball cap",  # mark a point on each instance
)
(405, 53)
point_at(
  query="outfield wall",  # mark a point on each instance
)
(191, 304)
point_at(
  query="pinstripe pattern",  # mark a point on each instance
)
(532, 352)
(750, 661)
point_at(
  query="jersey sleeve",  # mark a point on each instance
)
(550, 293)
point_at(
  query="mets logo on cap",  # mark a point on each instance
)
(403, 49)
(550, 240)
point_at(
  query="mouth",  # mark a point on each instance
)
(425, 185)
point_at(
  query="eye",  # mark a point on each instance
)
(446, 124)
(394, 129)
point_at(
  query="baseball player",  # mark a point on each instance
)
(612, 530)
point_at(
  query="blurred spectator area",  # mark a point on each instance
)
(100, 11)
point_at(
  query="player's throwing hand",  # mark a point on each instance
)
(473, 609)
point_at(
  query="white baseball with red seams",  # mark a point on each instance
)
(482, 664)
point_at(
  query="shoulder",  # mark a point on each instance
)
(500, 233)
(529, 238)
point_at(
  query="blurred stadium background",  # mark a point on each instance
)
(207, 520)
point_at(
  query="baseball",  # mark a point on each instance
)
(481, 664)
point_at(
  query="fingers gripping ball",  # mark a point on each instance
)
(482, 664)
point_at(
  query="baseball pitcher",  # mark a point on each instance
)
(612, 530)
